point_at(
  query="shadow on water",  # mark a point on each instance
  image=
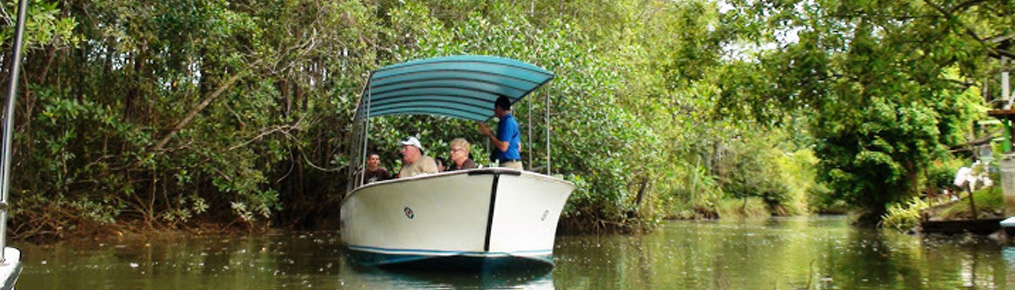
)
(428, 279)
(429, 275)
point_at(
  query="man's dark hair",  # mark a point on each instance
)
(504, 103)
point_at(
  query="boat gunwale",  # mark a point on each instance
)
(474, 171)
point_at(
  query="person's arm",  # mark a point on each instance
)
(502, 146)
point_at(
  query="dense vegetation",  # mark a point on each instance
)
(170, 113)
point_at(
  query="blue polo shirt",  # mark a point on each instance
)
(507, 131)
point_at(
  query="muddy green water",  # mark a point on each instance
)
(794, 253)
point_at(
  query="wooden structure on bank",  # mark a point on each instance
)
(1006, 115)
(977, 227)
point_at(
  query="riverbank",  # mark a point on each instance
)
(986, 204)
(137, 230)
(594, 220)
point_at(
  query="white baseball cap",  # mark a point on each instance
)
(414, 142)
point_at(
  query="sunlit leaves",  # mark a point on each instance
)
(881, 82)
(45, 26)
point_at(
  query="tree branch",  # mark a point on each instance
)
(949, 14)
(282, 128)
(965, 5)
(190, 116)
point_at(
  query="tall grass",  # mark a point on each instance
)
(904, 216)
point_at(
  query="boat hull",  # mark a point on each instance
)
(475, 219)
(10, 268)
(457, 261)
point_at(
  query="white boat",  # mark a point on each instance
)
(469, 219)
(10, 268)
(477, 219)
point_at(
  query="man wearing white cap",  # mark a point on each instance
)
(413, 161)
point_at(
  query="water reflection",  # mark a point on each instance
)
(1009, 255)
(810, 253)
(511, 279)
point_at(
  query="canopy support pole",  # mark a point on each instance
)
(547, 94)
(528, 112)
(366, 137)
(1005, 85)
(12, 89)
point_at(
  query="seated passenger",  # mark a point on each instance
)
(374, 171)
(441, 164)
(460, 155)
(413, 161)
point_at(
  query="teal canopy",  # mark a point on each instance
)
(462, 87)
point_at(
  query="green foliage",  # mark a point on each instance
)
(876, 162)
(754, 172)
(904, 216)
(45, 26)
(799, 173)
(941, 173)
(885, 85)
(743, 208)
(989, 203)
(168, 113)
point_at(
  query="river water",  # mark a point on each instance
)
(790, 253)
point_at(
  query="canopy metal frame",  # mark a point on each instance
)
(461, 87)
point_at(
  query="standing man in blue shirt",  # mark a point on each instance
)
(508, 141)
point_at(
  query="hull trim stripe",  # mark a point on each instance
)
(489, 215)
(447, 253)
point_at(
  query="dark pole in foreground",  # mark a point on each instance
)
(12, 89)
